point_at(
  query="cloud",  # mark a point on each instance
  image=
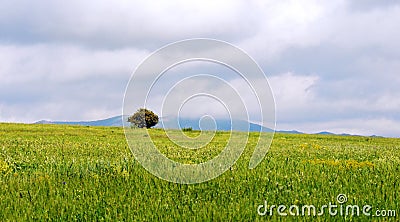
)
(122, 24)
(63, 63)
(368, 5)
(333, 65)
(52, 81)
(293, 91)
(373, 30)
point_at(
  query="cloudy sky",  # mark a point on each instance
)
(332, 65)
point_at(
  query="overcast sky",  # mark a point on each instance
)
(332, 65)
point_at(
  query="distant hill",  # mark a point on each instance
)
(113, 121)
(289, 131)
(325, 133)
(208, 124)
(171, 123)
(329, 133)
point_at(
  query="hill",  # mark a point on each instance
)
(171, 123)
(113, 121)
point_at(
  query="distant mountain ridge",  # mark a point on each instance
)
(171, 123)
(209, 124)
(113, 121)
(239, 125)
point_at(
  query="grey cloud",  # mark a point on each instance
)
(73, 101)
(58, 58)
(38, 81)
(367, 5)
(104, 24)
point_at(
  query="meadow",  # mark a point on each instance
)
(69, 173)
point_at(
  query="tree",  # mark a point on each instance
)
(143, 118)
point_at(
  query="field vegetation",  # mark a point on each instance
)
(67, 173)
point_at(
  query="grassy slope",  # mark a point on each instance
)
(88, 173)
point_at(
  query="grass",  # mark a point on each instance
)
(66, 173)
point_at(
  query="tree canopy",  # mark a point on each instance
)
(143, 118)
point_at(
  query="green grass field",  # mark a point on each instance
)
(66, 173)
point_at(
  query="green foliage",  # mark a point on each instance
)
(187, 129)
(143, 118)
(69, 173)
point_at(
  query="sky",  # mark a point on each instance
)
(332, 65)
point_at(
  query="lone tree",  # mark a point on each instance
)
(143, 118)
